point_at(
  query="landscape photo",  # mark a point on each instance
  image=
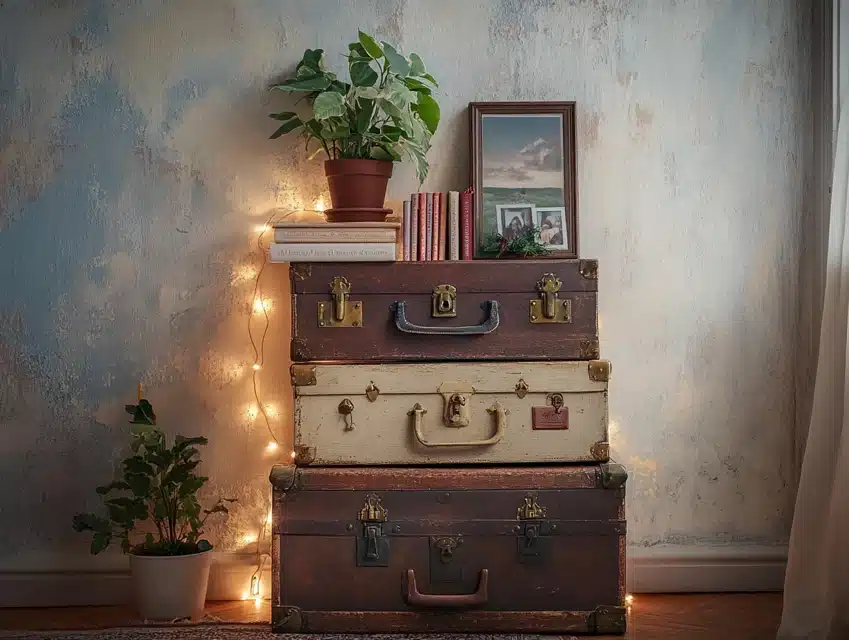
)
(522, 159)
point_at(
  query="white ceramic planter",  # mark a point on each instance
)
(169, 587)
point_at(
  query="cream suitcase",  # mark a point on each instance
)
(450, 413)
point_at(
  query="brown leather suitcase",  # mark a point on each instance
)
(426, 311)
(487, 550)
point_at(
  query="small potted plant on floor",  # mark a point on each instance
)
(169, 562)
(387, 111)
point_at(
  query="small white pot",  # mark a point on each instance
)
(170, 587)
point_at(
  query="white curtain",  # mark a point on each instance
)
(816, 588)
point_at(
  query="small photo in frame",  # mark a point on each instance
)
(523, 167)
(513, 219)
(551, 222)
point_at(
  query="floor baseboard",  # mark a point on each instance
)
(51, 581)
(702, 569)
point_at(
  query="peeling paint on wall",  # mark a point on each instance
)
(135, 163)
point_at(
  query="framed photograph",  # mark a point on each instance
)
(523, 172)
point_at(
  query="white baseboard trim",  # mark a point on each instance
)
(58, 581)
(704, 569)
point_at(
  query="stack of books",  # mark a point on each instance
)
(336, 242)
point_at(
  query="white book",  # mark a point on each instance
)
(332, 252)
(406, 255)
(453, 225)
(317, 235)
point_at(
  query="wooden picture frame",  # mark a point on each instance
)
(516, 164)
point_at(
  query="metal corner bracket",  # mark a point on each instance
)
(600, 451)
(304, 455)
(283, 476)
(286, 619)
(613, 475)
(599, 370)
(589, 269)
(303, 375)
(610, 620)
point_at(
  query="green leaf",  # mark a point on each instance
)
(429, 77)
(312, 59)
(316, 82)
(397, 63)
(91, 522)
(362, 75)
(379, 153)
(100, 542)
(286, 127)
(428, 111)
(417, 85)
(371, 48)
(328, 105)
(417, 65)
(136, 464)
(358, 51)
(313, 127)
(365, 113)
(112, 486)
(192, 485)
(180, 472)
(204, 545)
(283, 117)
(139, 484)
(125, 544)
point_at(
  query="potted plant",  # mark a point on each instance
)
(169, 562)
(386, 111)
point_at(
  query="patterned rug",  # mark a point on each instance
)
(245, 632)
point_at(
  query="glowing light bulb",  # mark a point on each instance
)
(272, 447)
(294, 455)
(270, 410)
(245, 595)
(319, 205)
(255, 586)
(629, 599)
(270, 516)
(261, 228)
(258, 602)
(257, 366)
(249, 538)
(252, 412)
(261, 305)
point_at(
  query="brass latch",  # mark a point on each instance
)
(372, 544)
(549, 308)
(457, 411)
(342, 312)
(444, 301)
(532, 527)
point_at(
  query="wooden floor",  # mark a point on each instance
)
(676, 617)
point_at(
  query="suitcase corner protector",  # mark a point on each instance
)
(600, 451)
(303, 375)
(599, 370)
(613, 475)
(589, 269)
(301, 270)
(303, 455)
(283, 476)
(607, 619)
(286, 619)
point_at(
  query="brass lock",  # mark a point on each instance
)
(457, 410)
(444, 301)
(549, 308)
(341, 312)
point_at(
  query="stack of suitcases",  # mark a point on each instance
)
(451, 467)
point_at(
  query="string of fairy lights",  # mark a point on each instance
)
(259, 306)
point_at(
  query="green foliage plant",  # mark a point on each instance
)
(158, 485)
(386, 111)
(526, 244)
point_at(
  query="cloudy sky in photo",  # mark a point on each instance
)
(522, 151)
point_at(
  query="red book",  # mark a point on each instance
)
(434, 240)
(466, 224)
(422, 227)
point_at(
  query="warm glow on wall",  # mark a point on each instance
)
(252, 411)
(249, 538)
(262, 304)
(319, 205)
(271, 447)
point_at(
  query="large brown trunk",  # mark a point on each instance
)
(498, 549)
(396, 313)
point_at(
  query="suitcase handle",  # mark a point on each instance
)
(414, 597)
(487, 326)
(500, 424)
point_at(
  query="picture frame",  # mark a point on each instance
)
(523, 158)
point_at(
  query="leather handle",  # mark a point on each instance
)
(487, 326)
(412, 595)
(500, 425)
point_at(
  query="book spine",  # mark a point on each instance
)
(291, 236)
(466, 224)
(443, 225)
(429, 226)
(437, 211)
(453, 225)
(406, 252)
(422, 226)
(333, 252)
(414, 227)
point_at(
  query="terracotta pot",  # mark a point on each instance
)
(358, 184)
(170, 587)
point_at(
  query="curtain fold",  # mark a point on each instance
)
(816, 587)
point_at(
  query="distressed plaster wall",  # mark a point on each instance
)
(134, 165)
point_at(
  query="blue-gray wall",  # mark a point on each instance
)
(135, 164)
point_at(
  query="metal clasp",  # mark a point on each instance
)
(341, 312)
(372, 544)
(444, 301)
(549, 308)
(457, 411)
(532, 527)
